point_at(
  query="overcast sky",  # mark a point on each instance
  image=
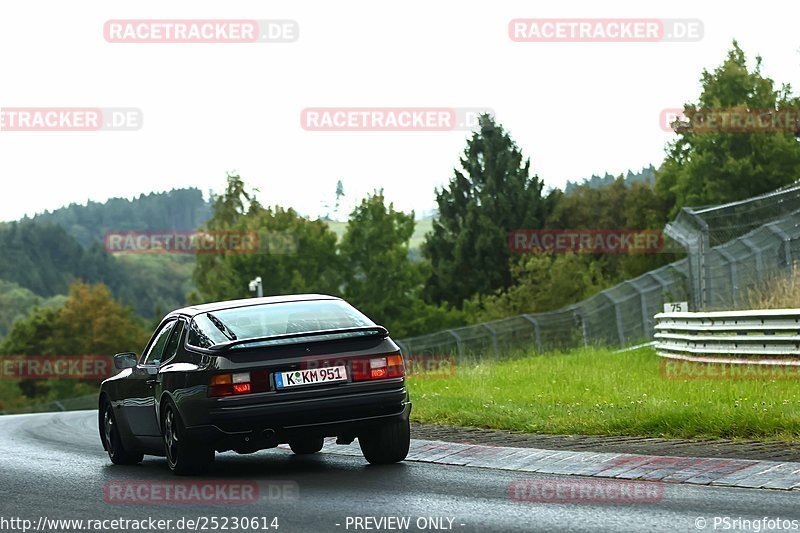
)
(576, 109)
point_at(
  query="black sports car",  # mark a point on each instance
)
(250, 374)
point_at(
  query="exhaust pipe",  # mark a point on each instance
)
(268, 433)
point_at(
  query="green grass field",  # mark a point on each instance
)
(599, 392)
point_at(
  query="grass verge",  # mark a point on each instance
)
(599, 392)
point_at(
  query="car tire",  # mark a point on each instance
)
(185, 457)
(307, 446)
(115, 446)
(386, 444)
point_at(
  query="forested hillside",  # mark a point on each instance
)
(43, 260)
(44, 255)
(646, 176)
(178, 209)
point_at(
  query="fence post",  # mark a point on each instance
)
(458, 342)
(656, 276)
(494, 338)
(787, 249)
(696, 241)
(643, 305)
(664, 285)
(705, 247)
(618, 317)
(757, 252)
(403, 347)
(584, 332)
(536, 331)
(733, 273)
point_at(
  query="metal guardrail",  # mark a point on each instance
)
(765, 337)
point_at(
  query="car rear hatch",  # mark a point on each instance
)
(306, 369)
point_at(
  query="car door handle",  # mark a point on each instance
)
(151, 382)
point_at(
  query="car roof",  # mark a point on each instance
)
(194, 310)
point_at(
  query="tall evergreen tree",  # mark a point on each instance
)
(339, 195)
(491, 194)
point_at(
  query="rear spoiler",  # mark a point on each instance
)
(376, 331)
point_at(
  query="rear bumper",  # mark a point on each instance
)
(253, 426)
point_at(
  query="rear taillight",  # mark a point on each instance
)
(221, 385)
(237, 383)
(241, 388)
(366, 369)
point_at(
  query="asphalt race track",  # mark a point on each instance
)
(53, 467)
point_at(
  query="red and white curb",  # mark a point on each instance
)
(694, 470)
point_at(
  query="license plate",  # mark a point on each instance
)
(312, 376)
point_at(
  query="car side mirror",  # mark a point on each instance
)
(124, 360)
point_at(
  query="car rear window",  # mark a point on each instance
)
(267, 320)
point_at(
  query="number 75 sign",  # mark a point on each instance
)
(676, 307)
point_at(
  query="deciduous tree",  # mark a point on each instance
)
(713, 165)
